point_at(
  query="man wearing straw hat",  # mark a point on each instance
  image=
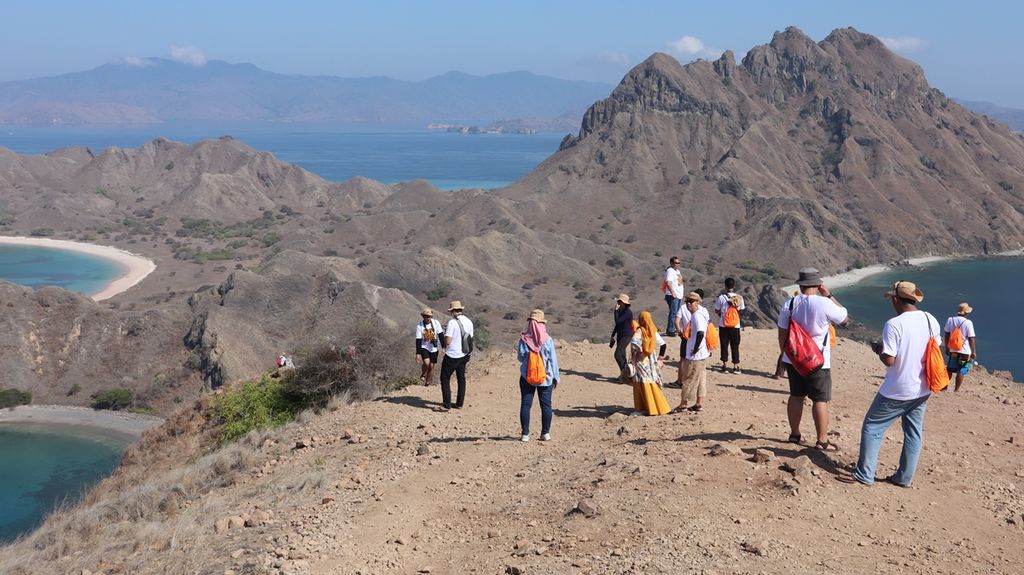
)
(428, 340)
(963, 357)
(455, 357)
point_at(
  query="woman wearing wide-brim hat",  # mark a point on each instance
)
(535, 340)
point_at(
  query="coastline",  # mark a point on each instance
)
(121, 426)
(135, 268)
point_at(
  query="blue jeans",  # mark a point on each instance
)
(673, 309)
(882, 413)
(546, 413)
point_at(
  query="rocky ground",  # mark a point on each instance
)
(391, 486)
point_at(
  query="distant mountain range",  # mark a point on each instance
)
(1012, 117)
(155, 90)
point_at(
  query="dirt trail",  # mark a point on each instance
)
(459, 493)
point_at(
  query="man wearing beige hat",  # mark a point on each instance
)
(622, 333)
(428, 340)
(960, 345)
(457, 337)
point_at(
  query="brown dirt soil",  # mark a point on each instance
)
(480, 501)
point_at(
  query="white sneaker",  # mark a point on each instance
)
(524, 438)
(545, 437)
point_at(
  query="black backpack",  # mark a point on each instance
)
(467, 339)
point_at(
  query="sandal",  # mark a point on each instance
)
(826, 446)
(892, 481)
(794, 438)
(679, 409)
(441, 408)
(696, 408)
(849, 479)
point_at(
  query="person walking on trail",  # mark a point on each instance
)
(904, 393)
(647, 350)
(457, 336)
(428, 344)
(814, 309)
(622, 334)
(535, 345)
(693, 374)
(728, 307)
(672, 286)
(960, 344)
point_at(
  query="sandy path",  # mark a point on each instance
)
(135, 268)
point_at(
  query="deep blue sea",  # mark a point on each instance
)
(987, 284)
(336, 153)
(41, 468)
(74, 271)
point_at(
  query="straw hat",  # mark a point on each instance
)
(456, 306)
(537, 315)
(964, 309)
(692, 296)
(427, 312)
(623, 299)
(905, 290)
(809, 277)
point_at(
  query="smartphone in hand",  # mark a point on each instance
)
(876, 346)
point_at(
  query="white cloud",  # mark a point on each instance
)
(136, 62)
(188, 55)
(904, 44)
(613, 58)
(690, 47)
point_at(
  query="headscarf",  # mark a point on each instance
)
(648, 330)
(535, 335)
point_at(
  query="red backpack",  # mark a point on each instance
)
(801, 349)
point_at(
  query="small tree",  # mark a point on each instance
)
(113, 399)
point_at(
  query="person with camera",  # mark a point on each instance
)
(428, 340)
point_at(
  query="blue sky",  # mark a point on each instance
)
(968, 50)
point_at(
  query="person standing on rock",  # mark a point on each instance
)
(428, 340)
(960, 344)
(672, 286)
(459, 329)
(728, 307)
(535, 340)
(646, 348)
(693, 373)
(904, 392)
(622, 334)
(814, 309)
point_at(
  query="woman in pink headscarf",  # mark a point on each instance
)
(536, 342)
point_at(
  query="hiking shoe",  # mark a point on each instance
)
(545, 437)
(524, 438)
(736, 369)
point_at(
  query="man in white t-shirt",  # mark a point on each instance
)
(962, 358)
(428, 340)
(728, 307)
(694, 376)
(814, 308)
(673, 288)
(904, 392)
(455, 357)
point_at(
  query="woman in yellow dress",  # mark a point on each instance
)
(645, 348)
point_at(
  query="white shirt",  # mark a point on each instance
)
(683, 315)
(699, 321)
(966, 329)
(674, 283)
(430, 346)
(813, 313)
(722, 304)
(905, 337)
(454, 331)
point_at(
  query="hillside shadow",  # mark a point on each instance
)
(591, 376)
(596, 411)
(754, 388)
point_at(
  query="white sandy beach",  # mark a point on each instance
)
(117, 424)
(134, 268)
(851, 277)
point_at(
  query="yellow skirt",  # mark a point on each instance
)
(647, 398)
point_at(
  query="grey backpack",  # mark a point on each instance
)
(467, 339)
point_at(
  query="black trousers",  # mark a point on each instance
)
(458, 367)
(621, 347)
(730, 339)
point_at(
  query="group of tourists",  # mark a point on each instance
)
(805, 336)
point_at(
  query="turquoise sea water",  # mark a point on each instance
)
(40, 468)
(336, 153)
(991, 286)
(74, 271)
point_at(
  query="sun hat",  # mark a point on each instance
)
(809, 277)
(456, 305)
(427, 312)
(537, 315)
(692, 296)
(964, 309)
(905, 290)
(623, 298)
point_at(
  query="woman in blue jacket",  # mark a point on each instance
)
(536, 340)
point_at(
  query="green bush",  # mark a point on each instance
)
(14, 397)
(113, 399)
(42, 232)
(260, 404)
(439, 291)
(75, 388)
(270, 239)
